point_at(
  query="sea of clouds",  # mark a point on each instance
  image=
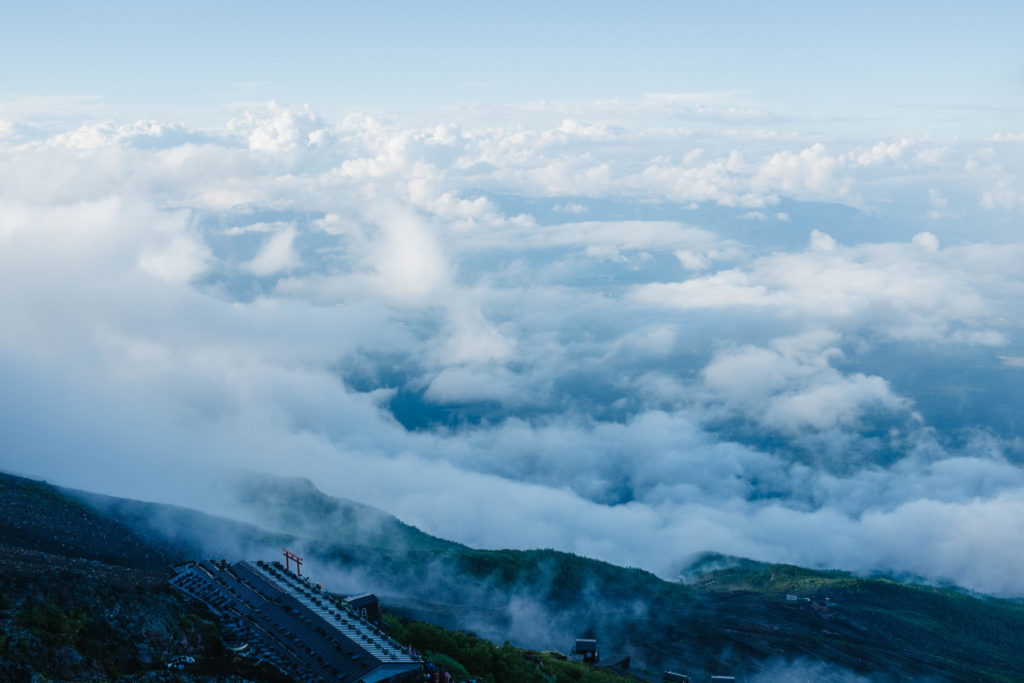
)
(640, 332)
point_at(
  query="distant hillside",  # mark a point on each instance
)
(918, 626)
(295, 506)
(731, 616)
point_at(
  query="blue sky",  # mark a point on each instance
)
(918, 66)
(658, 276)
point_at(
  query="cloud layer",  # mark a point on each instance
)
(632, 342)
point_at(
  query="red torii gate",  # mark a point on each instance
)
(289, 555)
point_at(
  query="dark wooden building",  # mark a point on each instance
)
(587, 648)
(292, 624)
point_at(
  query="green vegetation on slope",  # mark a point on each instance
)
(464, 655)
(976, 637)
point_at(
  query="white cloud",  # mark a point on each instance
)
(571, 207)
(276, 255)
(284, 130)
(792, 386)
(690, 381)
(258, 228)
(822, 242)
(1005, 195)
(183, 260)
(881, 153)
(723, 289)
(473, 339)
(838, 404)
(938, 203)
(470, 384)
(409, 261)
(902, 291)
(575, 128)
(926, 240)
(693, 260)
(811, 173)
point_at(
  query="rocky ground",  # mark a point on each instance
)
(82, 598)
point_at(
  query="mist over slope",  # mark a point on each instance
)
(729, 614)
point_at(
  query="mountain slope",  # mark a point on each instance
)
(728, 619)
(732, 616)
(85, 598)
